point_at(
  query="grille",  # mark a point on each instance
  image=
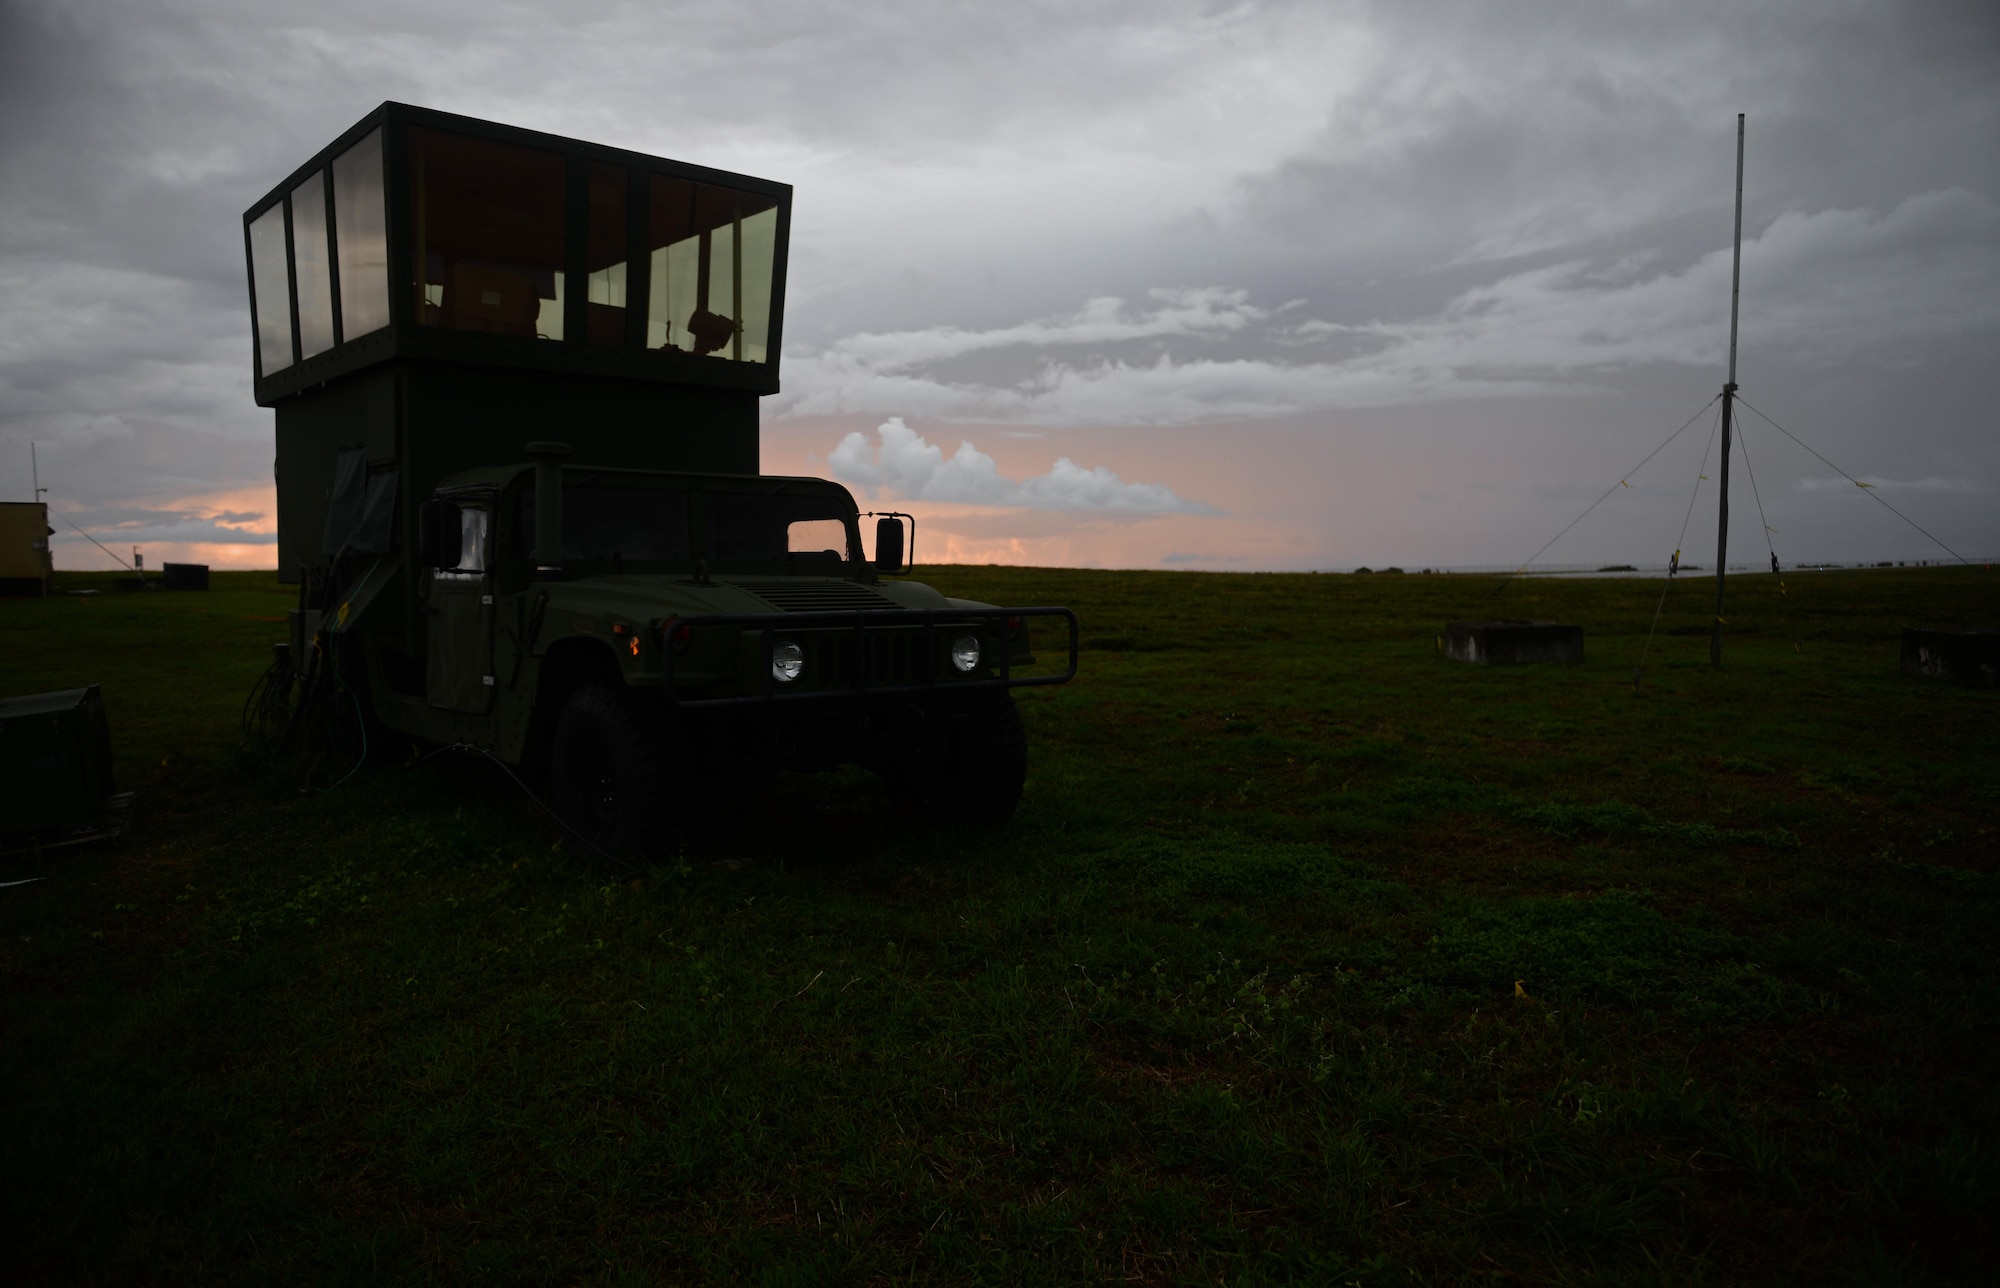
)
(878, 657)
(816, 596)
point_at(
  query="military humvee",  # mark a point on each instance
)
(515, 379)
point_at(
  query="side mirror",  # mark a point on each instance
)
(438, 534)
(889, 546)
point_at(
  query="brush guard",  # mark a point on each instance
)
(927, 624)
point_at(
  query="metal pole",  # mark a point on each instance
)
(48, 551)
(736, 284)
(1728, 407)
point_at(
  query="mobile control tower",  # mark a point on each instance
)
(516, 381)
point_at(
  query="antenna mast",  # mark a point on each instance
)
(1728, 408)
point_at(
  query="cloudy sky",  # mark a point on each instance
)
(1148, 284)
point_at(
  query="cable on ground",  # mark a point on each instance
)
(529, 792)
(298, 702)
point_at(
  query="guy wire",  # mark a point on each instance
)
(1743, 443)
(1607, 492)
(1869, 488)
(1674, 564)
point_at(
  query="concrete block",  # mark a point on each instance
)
(1960, 657)
(1487, 642)
(184, 576)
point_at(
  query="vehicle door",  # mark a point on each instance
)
(459, 669)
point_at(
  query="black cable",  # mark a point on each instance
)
(307, 696)
(271, 693)
(361, 720)
(1869, 488)
(333, 666)
(320, 685)
(540, 804)
(1505, 581)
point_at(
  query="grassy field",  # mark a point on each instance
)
(1310, 957)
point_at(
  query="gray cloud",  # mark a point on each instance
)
(1390, 205)
(903, 464)
(1543, 126)
(1833, 285)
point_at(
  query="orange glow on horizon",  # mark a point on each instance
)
(75, 553)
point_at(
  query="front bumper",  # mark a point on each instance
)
(869, 653)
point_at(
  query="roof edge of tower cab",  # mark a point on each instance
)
(478, 127)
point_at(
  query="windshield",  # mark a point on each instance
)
(616, 519)
(774, 529)
(798, 532)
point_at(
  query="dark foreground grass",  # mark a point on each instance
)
(1309, 958)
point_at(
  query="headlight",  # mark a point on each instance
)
(787, 661)
(965, 652)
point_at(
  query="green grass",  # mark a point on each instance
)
(1311, 957)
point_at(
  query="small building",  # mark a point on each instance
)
(183, 576)
(25, 561)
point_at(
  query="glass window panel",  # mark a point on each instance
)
(764, 528)
(361, 233)
(472, 524)
(549, 316)
(711, 251)
(487, 235)
(273, 285)
(676, 270)
(760, 250)
(605, 306)
(617, 519)
(312, 266)
(722, 276)
(817, 536)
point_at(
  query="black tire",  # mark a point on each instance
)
(974, 772)
(610, 777)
